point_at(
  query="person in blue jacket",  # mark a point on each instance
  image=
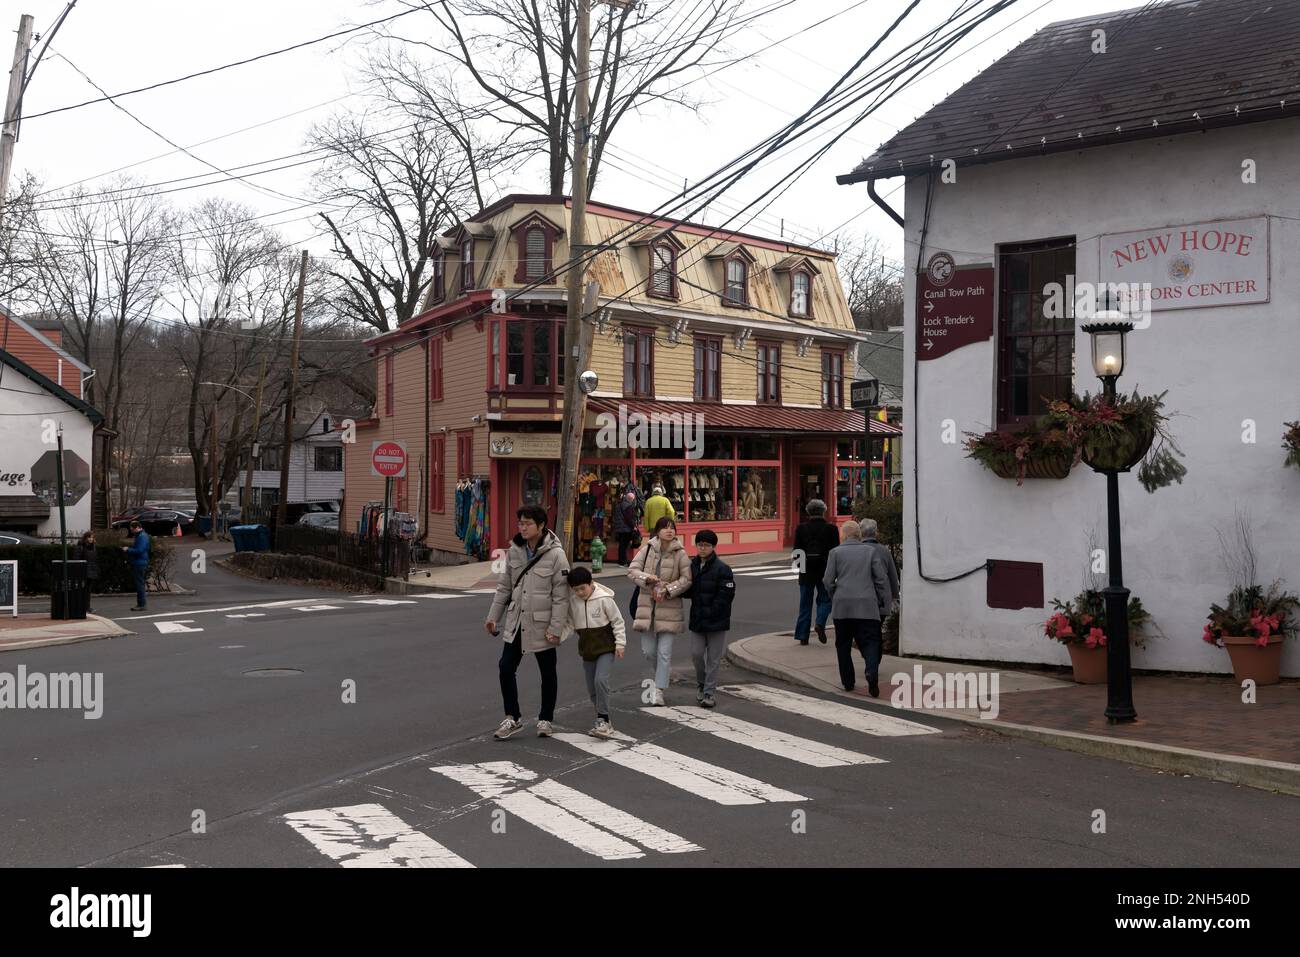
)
(137, 556)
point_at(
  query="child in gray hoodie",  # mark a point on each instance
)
(594, 617)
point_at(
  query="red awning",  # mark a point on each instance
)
(764, 418)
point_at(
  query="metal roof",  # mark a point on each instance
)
(766, 418)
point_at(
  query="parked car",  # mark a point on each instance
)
(129, 513)
(159, 521)
(326, 520)
(20, 538)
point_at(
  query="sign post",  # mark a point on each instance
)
(388, 461)
(864, 395)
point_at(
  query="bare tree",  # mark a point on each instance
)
(19, 249)
(521, 55)
(398, 193)
(872, 285)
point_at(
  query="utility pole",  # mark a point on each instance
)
(216, 475)
(257, 425)
(282, 506)
(13, 103)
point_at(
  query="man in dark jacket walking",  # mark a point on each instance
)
(137, 556)
(626, 521)
(713, 588)
(813, 541)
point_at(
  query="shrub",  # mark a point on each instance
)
(36, 573)
(888, 516)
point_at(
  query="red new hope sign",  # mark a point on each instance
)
(388, 459)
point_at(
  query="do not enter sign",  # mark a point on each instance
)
(388, 459)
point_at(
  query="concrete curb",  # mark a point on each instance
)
(108, 629)
(1229, 768)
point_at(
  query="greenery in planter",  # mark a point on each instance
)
(1291, 442)
(1011, 453)
(1131, 429)
(1083, 620)
(1252, 610)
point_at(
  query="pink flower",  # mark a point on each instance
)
(1096, 638)
(1208, 635)
(1262, 641)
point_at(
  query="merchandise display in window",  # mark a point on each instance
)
(672, 478)
(848, 487)
(710, 494)
(758, 492)
(599, 489)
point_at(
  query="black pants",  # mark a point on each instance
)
(865, 633)
(511, 655)
(624, 540)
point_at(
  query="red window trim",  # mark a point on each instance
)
(727, 300)
(673, 293)
(557, 361)
(437, 470)
(710, 341)
(435, 368)
(389, 374)
(1004, 421)
(834, 381)
(808, 310)
(639, 332)
(464, 453)
(521, 247)
(762, 345)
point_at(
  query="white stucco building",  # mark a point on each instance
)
(1170, 158)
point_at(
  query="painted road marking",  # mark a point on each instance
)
(434, 595)
(255, 614)
(175, 627)
(481, 591)
(209, 611)
(564, 812)
(765, 571)
(832, 712)
(697, 777)
(318, 608)
(369, 835)
(384, 601)
(803, 750)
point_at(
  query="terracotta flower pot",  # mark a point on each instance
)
(1052, 466)
(1249, 660)
(1120, 453)
(1089, 663)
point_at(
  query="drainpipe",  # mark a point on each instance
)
(876, 198)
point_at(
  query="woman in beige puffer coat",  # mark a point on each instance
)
(662, 569)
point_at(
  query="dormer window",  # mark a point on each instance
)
(466, 264)
(663, 271)
(534, 244)
(439, 290)
(736, 292)
(800, 294)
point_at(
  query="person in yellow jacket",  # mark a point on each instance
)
(657, 506)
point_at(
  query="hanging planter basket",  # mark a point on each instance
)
(1054, 465)
(1120, 449)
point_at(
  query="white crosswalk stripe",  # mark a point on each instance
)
(435, 595)
(832, 712)
(564, 812)
(318, 607)
(385, 601)
(369, 835)
(803, 750)
(697, 777)
(481, 591)
(760, 571)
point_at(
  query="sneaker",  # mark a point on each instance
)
(544, 729)
(509, 726)
(708, 702)
(139, 608)
(699, 696)
(659, 698)
(603, 729)
(821, 633)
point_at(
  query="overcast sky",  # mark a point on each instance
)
(123, 44)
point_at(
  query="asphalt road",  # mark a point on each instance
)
(285, 773)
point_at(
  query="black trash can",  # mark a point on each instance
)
(76, 602)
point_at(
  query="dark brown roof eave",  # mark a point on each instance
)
(1173, 128)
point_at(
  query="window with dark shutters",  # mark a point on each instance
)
(534, 253)
(663, 278)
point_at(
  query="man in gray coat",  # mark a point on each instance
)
(533, 595)
(858, 577)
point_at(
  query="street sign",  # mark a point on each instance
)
(859, 397)
(388, 459)
(954, 308)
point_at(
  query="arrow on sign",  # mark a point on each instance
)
(929, 307)
(929, 344)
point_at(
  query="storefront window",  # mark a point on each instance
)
(590, 450)
(759, 493)
(717, 446)
(672, 478)
(711, 490)
(757, 447)
(599, 489)
(848, 488)
(514, 353)
(848, 449)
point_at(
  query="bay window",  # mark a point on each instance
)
(533, 355)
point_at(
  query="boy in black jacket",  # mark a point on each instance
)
(712, 590)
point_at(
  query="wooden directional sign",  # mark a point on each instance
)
(954, 306)
(388, 459)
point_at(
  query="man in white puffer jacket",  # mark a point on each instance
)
(595, 618)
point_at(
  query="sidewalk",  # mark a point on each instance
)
(37, 629)
(1187, 724)
(479, 575)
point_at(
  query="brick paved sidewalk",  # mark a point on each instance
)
(1203, 712)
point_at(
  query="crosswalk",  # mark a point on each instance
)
(781, 572)
(168, 623)
(371, 835)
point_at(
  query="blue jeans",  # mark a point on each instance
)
(138, 572)
(804, 621)
(657, 647)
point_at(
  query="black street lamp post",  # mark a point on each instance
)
(1108, 353)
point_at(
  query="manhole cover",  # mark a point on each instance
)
(272, 672)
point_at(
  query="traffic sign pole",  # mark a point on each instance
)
(388, 490)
